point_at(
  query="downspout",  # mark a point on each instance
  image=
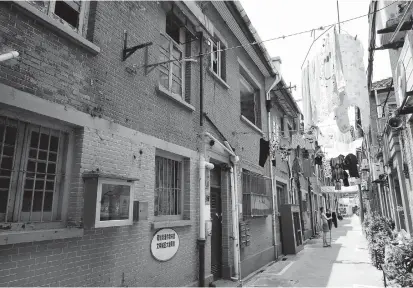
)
(235, 215)
(202, 165)
(201, 240)
(273, 190)
(310, 196)
(235, 220)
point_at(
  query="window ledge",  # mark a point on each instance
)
(175, 97)
(219, 79)
(170, 224)
(14, 237)
(252, 125)
(58, 27)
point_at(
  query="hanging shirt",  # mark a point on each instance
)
(337, 167)
(351, 165)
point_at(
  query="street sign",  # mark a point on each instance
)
(165, 244)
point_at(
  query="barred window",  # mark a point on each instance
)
(31, 171)
(168, 187)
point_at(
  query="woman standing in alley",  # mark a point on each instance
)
(326, 229)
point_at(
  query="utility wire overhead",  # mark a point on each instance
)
(282, 37)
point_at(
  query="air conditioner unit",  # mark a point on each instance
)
(378, 169)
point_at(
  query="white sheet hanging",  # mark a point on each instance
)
(351, 58)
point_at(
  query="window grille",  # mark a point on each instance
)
(168, 187)
(256, 191)
(30, 171)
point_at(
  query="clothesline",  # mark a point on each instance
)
(321, 28)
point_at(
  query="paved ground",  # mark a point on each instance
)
(345, 264)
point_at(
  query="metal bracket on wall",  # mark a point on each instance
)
(127, 52)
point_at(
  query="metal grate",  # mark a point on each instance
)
(30, 171)
(256, 191)
(168, 186)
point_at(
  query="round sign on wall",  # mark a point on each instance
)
(165, 244)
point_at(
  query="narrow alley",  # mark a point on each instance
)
(345, 264)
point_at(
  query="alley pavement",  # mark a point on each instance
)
(345, 264)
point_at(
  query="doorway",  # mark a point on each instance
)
(216, 217)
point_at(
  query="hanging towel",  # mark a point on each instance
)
(307, 168)
(264, 151)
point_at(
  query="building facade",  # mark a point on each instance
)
(390, 147)
(103, 136)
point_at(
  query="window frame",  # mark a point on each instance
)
(253, 90)
(221, 44)
(182, 48)
(65, 154)
(51, 13)
(177, 158)
(113, 223)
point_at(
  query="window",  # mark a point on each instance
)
(69, 13)
(168, 187)
(256, 194)
(282, 126)
(171, 73)
(116, 204)
(31, 171)
(250, 105)
(218, 58)
(281, 196)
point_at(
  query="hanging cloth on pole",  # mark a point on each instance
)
(264, 151)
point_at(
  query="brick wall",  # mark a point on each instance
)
(108, 256)
(222, 105)
(55, 69)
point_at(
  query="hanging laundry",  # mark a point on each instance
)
(307, 168)
(345, 179)
(264, 151)
(337, 167)
(350, 57)
(326, 168)
(305, 95)
(350, 163)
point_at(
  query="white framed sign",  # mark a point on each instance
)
(165, 244)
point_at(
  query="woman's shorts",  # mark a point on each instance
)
(325, 227)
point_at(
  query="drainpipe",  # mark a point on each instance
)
(8, 56)
(310, 196)
(201, 240)
(273, 190)
(202, 166)
(235, 215)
